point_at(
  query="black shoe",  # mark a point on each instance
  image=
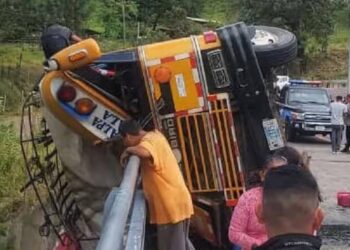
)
(345, 150)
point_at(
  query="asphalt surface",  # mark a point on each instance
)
(333, 175)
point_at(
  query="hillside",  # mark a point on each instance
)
(334, 63)
(20, 64)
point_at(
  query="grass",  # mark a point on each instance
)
(32, 56)
(333, 64)
(340, 38)
(12, 175)
(223, 12)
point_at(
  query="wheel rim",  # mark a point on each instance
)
(263, 37)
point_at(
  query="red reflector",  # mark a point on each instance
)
(231, 203)
(77, 55)
(66, 93)
(84, 106)
(210, 37)
(162, 74)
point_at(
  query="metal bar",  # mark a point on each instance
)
(206, 190)
(200, 145)
(213, 139)
(136, 234)
(216, 148)
(210, 151)
(113, 231)
(237, 153)
(184, 154)
(193, 154)
(64, 200)
(51, 154)
(59, 175)
(27, 110)
(223, 146)
(231, 167)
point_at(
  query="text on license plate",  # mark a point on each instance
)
(320, 128)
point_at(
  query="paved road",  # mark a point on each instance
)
(333, 175)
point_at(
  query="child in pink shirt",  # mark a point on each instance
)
(245, 229)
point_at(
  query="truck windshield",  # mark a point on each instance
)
(315, 96)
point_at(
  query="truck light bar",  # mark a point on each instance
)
(314, 83)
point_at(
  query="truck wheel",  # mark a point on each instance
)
(289, 132)
(274, 46)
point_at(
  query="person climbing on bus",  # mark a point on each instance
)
(57, 37)
(169, 200)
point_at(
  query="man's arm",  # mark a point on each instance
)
(140, 152)
(75, 38)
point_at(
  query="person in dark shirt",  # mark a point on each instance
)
(57, 37)
(290, 210)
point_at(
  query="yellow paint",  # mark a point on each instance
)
(198, 177)
(62, 115)
(156, 87)
(96, 96)
(59, 112)
(181, 68)
(149, 96)
(168, 48)
(78, 55)
(184, 155)
(200, 145)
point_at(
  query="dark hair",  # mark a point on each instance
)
(290, 193)
(253, 178)
(288, 177)
(339, 98)
(291, 154)
(271, 158)
(130, 127)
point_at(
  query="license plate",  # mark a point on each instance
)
(272, 133)
(103, 123)
(320, 128)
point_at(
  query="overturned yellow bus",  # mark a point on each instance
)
(209, 94)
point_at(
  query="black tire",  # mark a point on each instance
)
(289, 132)
(282, 51)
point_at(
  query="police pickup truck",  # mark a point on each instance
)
(304, 109)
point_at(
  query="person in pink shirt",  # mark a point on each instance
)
(245, 230)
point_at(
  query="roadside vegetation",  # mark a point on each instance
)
(322, 29)
(332, 64)
(12, 175)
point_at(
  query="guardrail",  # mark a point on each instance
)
(136, 234)
(116, 234)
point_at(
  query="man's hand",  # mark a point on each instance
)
(124, 157)
(139, 151)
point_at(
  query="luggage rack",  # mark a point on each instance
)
(46, 177)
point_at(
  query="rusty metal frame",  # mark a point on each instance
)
(46, 178)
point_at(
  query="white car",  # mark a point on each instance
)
(281, 82)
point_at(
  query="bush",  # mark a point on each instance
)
(12, 175)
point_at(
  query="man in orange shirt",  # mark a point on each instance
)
(169, 201)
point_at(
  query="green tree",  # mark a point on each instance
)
(176, 24)
(23, 18)
(152, 12)
(311, 20)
